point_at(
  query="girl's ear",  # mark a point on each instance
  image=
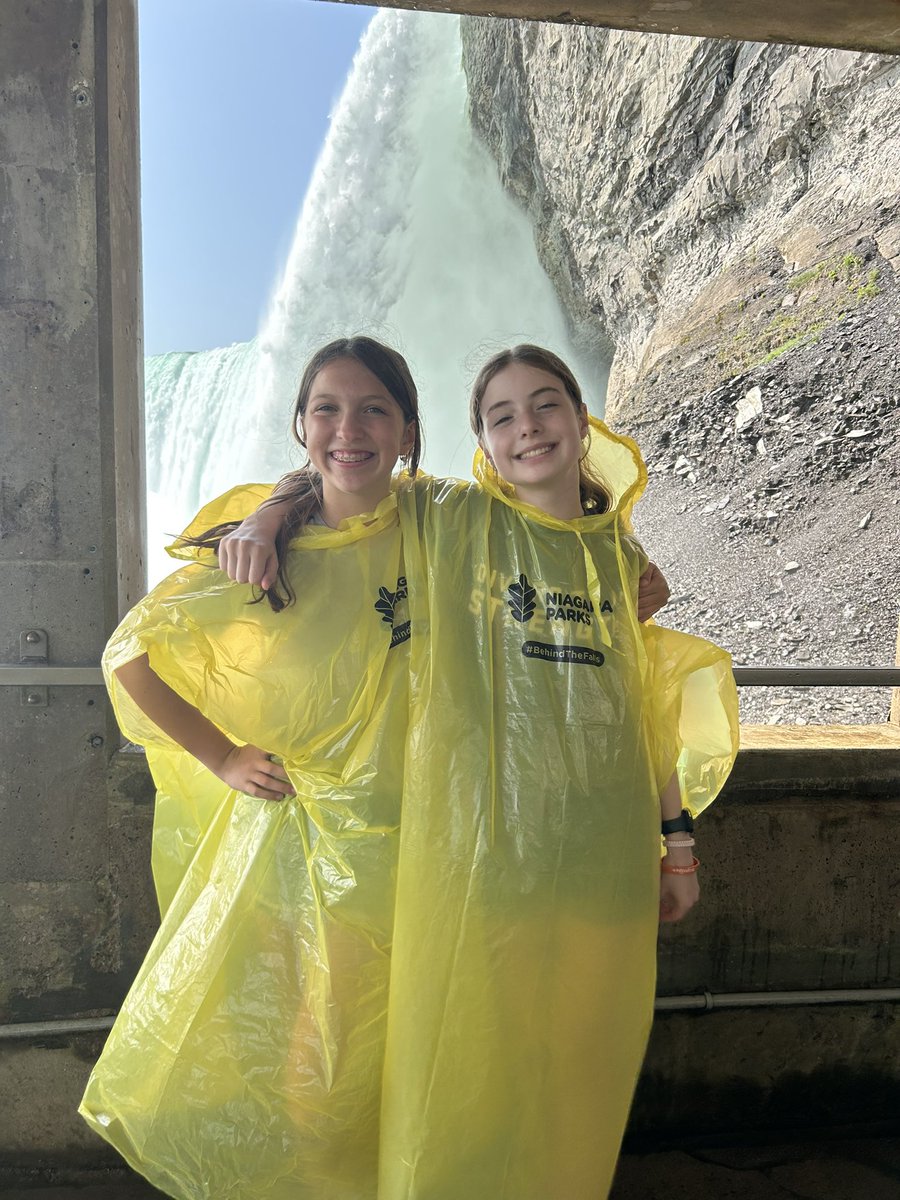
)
(409, 439)
(583, 423)
(487, 454)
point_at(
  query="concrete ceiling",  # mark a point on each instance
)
(852, 24)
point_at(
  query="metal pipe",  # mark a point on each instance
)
(24, 675)
(704, 1001)
(707, 1001)
(817, 676)
(13, 675)
(40, 1029)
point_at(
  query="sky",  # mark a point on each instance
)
(235, 100)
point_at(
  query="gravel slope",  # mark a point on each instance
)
(774, 510)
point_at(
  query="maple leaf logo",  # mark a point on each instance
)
(385, 604)
(521, 599)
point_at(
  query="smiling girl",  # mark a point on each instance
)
(246, 1059)
(550, 736)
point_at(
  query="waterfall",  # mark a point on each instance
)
(406, 234)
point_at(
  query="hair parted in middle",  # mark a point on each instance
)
(595, 495)
(303, 487)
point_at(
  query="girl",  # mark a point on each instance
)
(246, 1060)
(545, 729)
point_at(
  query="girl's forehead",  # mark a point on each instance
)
(522, 379)
(347, 373)
(349, 380)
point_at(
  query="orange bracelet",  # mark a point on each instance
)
(691, 870)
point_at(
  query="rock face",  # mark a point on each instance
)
(722, 220)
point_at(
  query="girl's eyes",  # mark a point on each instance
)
(508, 416)
(328, 409)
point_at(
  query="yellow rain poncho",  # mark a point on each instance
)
(246, 1060)
(544, 721)
(345, 1005)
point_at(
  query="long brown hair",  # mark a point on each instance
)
(595, 495)
(303, 488)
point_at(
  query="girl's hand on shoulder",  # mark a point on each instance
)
(677, 896)
(247, 554)
(249, 769)
(653, 592)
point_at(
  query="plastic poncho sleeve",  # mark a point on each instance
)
(691, 713)
(165, 627)
(158, 617)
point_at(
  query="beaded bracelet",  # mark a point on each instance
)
(691, 870)
(684, 842)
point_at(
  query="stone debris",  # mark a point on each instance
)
(748, 409)
(684, 468)
(794, 545)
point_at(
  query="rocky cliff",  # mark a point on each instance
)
(723, 221)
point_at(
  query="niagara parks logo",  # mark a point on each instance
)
(386, 604)
(522, 600)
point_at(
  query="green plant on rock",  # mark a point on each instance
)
(799, 282)
(806, 338)
(867, 290)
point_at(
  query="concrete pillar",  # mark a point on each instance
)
(71, 482)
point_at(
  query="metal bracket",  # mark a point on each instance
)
(33, 674)
(34, 650)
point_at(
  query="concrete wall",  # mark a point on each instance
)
(100, 933)
(71, 485)
(874, 25)
(800, 881)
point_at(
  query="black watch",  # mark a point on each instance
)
(682, 824)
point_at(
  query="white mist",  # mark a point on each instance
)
(405, 234)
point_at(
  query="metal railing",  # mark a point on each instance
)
(696, 1002)
(24, 674)
(817, 676)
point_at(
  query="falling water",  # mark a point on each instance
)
(406, 234)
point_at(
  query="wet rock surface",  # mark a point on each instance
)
(777, 519)
(722, 220)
